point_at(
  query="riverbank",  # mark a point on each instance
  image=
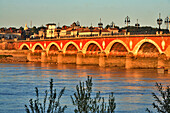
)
(11, 59)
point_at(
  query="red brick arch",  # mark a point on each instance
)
(39, 45)
(24, 46)
(92, 46)
(54, 47)
(140, 43)
(71, 46)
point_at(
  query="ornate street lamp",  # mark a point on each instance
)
(159, 21)
(137, 25)
(127, 20)
(91, 30)
(167, 21)
(58, 30)
(100, 26)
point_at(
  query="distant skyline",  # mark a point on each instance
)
(17, 13)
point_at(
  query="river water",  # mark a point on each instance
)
(132, 88)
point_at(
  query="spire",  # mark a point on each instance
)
(112, 24)
(58, 26)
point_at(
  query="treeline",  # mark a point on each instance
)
(144, 30)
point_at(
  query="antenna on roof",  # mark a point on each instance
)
(58, 24)
(31, 24)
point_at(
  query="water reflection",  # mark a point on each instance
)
(132, 88)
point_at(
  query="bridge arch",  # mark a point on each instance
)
(139, 44)
(167, 51)
(24, 45)
(84, 50)
(70, 43)
(35, 45)
(109, 46)
(51, 44)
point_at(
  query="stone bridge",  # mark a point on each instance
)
(148, 44)
(130, 51)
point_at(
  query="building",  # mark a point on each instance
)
(42, 31)
(26, 27)
(51, 30)
(113, 30)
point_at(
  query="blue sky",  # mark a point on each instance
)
(20, 12)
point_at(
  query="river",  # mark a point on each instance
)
(132, 88)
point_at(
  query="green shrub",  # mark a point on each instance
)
(162, 101)
(54, 102)
(4, 56)
(85, 103)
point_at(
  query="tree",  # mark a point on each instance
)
(34, 30)
(107, 26)
(162, 101)
(21, 29)
(54, 102)
(86, 104)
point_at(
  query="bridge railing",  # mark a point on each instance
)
(83, 36)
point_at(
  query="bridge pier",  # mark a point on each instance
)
(129, 61)
(161, 61)
(79, 58)
(43, 56)
(168, 70)
(29, 58)
(60, 57)
(102, 62)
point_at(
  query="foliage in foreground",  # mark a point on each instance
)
(162, 104)
(54, 102)
(85, 103)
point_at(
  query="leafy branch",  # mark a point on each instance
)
(162, 101)
(85, 103)
(54, 103)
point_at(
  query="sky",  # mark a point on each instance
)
(17, 13)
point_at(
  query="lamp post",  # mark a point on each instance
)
(159, 21)
(127, 21)
(91, 29)
(137, 25)
(58, 30)
(100, 26)
(167, 21)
